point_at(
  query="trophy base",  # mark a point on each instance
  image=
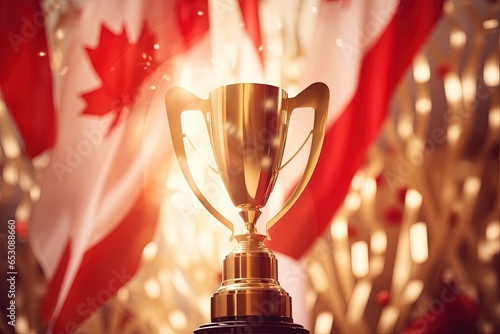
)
(252, 325)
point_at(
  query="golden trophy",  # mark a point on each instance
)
(248, 159)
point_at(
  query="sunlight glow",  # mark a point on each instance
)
(413, 199)
(491, 69)
(412, 291)
(359, 259)
(324, 323)
(338, 229)
(419, 250)
(357, 303)
(378, 242)
(421, 71)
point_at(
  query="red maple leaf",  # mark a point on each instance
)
(122, 67)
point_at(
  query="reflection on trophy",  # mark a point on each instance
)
(249, 159)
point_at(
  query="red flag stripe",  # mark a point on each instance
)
(250, 14)
(25, 75)
(192, 18)
(108, 265)
(101, 272)
(348, 139)
(50, 299)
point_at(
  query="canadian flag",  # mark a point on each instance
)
(108, 136)
(102, 189)
(360, 51)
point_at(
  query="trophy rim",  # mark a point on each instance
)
(247, 84)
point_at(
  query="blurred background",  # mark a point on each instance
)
(399, 231)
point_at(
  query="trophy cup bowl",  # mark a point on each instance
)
(248, 125)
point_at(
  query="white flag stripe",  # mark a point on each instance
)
(345, 31)
(78, 135)
(96, 175)
(100, 175)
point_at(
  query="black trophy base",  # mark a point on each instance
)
(253, 325)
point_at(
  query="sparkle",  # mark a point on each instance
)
(42, 54)
(200, 13)
(156, 46)
(59, 33)
(458, 38)
(490, 24)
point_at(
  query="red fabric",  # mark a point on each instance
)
(250, 14)
(119, 89)
(108, 265)
(450, 313)
(193, 20)
(347, 141)
(25, 76)
(52, 293)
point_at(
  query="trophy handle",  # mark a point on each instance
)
(315, 96)
(178, 100)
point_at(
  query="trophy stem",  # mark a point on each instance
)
(250, 228)
(250, 214)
